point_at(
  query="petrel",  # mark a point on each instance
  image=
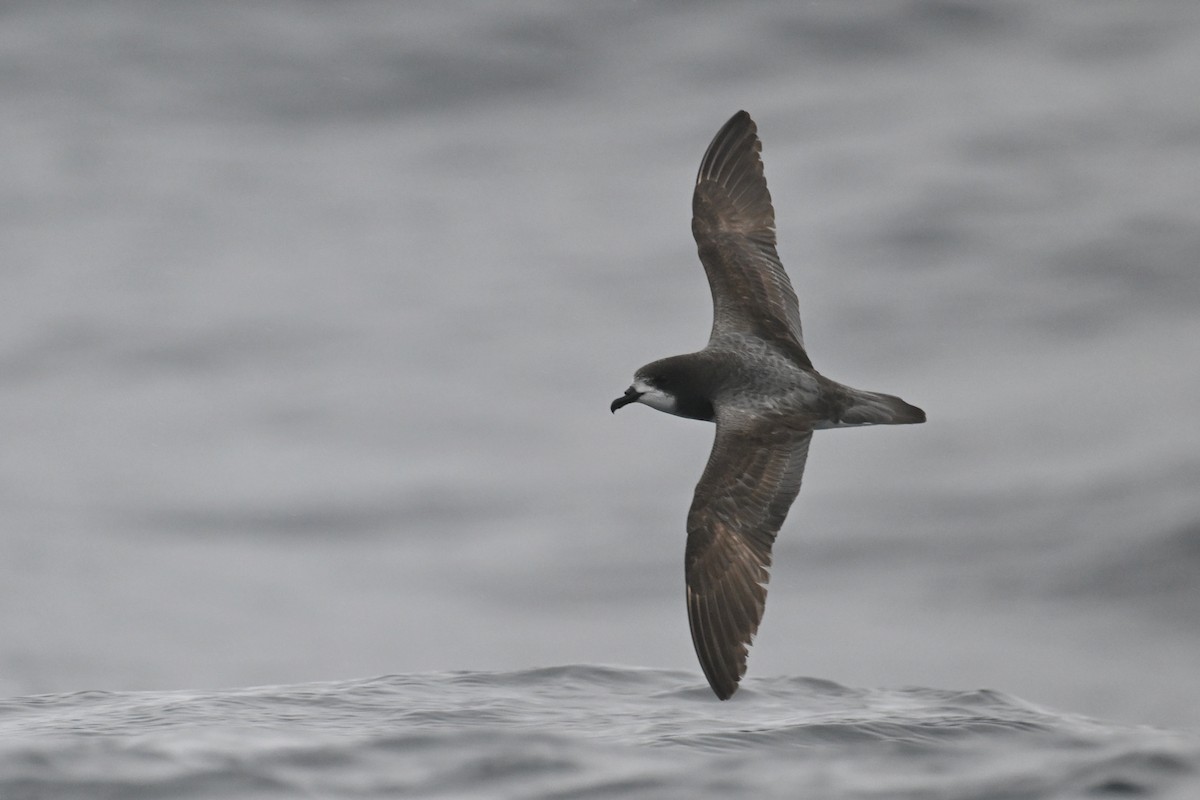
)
(753, 379)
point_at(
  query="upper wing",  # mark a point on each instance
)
(752, 477)
(734, 226)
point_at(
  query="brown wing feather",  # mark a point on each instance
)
(752, 477)
(733, 223)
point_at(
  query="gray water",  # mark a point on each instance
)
(310, 315)
(576, 732)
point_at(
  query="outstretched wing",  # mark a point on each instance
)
(752, 477)
(734, 226)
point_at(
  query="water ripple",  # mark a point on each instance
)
(575, 731)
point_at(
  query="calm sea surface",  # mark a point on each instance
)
(310, 315)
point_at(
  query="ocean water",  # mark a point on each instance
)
(311, 313)
(576, 732)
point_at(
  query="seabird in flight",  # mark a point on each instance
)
(755, 381)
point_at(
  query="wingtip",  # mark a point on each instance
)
(738, 131)
(910, 414)
(721, 685)
(741, 115)
(731, 191)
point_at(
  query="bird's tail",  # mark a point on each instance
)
(873, 408)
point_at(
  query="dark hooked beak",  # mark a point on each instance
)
(631, 395)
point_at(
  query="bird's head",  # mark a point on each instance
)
(671, 385)
(649, 390)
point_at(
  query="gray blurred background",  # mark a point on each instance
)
(311, 312)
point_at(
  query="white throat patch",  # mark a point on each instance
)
(655, 398)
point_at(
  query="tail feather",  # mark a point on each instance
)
(872, 408)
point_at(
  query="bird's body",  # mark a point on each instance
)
(754, 379)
